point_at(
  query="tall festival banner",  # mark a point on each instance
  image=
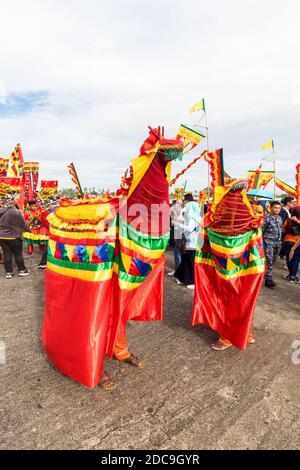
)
(16, 162)
(216, 164)
(34, 171)
(29, 182)
(75, 179)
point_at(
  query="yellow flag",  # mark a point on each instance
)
(268, 145)
(190, 134)
(199, 106)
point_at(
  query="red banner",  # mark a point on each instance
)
(13, 182)
(26, 189)
(8, 185)
(35, 179)
(49, 184)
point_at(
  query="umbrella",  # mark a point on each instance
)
(260, 193)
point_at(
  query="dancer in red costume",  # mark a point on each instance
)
(230, 267)
(106, 267)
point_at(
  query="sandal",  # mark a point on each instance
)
(135, 361)
(107, 383)
(220, 346)
(251, 341)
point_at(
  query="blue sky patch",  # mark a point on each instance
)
(23, 103)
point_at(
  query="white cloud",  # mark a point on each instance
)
(2, 93)
(112, 68)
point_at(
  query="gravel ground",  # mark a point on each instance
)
(187, 397)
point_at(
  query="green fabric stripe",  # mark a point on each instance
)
(132, 279)
(143, 240)
(222, 167)
(80, 266)
(35, 242)
(229, 242)
(201, 254)
(242, 267)
(193, 130)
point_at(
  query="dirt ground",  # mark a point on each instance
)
(187, 397)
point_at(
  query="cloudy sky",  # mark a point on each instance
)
(80, 80)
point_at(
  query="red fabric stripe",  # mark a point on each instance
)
(145, 303)
(76, 325)
(152, 191)
(83, 241)
(226, 306)
(132, 253)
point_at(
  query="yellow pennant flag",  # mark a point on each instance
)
(190, 135)
(268, 145)
(199, 106)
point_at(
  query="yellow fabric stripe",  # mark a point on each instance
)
(70, 249)
(128, 285)
(87, 211)
(90, 276)
(168, 172)
(151, 254)
(34, 236)
(52, 247)
(239, 249)
(246, 272)
(90, 250)
(207, 261)
(86, 226)
(126, 260)
(84, 235)
(140, 165)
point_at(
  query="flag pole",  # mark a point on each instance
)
(207, 145)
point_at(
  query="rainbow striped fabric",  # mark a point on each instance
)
(91, 250)
(136, 255)
(232, 257)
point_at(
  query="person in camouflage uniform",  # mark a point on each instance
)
(272, 230)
